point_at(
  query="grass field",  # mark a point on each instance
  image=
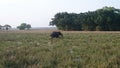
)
(34, 49)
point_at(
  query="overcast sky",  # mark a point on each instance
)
(38, 13)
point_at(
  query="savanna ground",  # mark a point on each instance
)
(34, 49)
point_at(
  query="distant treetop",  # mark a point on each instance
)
(24, 26)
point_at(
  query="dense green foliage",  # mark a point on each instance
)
(75, 50)
(24, 26)
(105, 19)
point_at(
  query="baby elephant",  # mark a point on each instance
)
(56, 34)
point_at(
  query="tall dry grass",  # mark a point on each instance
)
(75, 50)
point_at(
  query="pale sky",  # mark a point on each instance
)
(38, 13)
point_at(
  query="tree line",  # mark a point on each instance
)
(104, 19)
(22, 26)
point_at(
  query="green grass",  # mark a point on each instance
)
(75, 50)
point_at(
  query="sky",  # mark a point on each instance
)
(39, 13)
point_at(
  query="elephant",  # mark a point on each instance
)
(56, 34)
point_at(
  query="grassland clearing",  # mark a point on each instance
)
(78, 49)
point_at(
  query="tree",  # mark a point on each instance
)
(24, 26)
(66, 21)
(109, 17)
(28, 26)
(7, 26)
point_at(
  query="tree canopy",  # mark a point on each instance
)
(5, 27)
(24, 26)
(105, 19)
